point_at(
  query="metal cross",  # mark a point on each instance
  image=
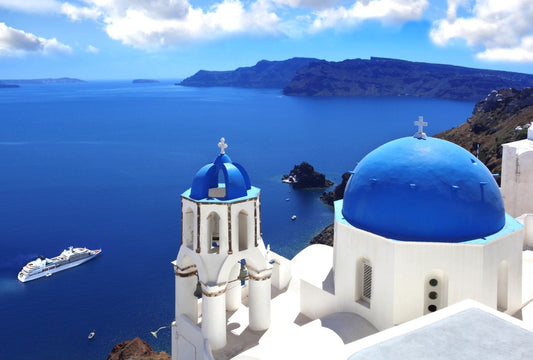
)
(420, 123)
(222, 145)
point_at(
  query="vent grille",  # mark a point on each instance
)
(367, 282)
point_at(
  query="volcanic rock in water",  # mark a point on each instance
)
(136, 349)
(304, 176)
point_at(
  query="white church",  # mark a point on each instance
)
(430, 260)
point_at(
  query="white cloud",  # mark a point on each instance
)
(521, 53)
(80, 13)
(153, 24)
(92, 49)
(387, 11)
(310, 4)
(144, 27)
(31, 6)
(15, 42)
(502, 30)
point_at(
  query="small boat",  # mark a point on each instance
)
(293, 217)
(91, 334)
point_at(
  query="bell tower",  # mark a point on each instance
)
(221, 237)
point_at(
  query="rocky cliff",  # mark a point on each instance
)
(265, 74)
(136, 349)
(325, 236)
(503, 116)
(391, 77)
(338, 193)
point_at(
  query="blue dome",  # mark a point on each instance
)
(235, 180)
(423, 190)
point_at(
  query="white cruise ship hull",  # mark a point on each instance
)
(48, 267)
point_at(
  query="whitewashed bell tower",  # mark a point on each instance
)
(221, 233)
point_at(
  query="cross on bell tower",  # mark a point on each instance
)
(420, 134)
(222, 145)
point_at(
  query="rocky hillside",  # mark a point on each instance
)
(391, 77)
(338, 193)
(265, 74)
(136, 349)
(503, 116)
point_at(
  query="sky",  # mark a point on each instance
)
(173, 39)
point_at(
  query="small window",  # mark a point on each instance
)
(433, 295)
(433, 282)
(367, 281)
(432, 308)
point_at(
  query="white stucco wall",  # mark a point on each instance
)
(527, 221)
(351, 245)
(517, 177)
(401, 270)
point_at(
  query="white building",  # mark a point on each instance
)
(422, 227)
(517, 180)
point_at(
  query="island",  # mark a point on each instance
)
(364, 77)
(304, 176)
(264, 74)
(144, 81)
(392, 77)
(8, 86)
(63, 80)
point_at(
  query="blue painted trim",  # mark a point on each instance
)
(252, 193)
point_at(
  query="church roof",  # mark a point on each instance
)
(423, 189)
(222, 179)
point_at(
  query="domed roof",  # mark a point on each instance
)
(423, 189)
(222, 179)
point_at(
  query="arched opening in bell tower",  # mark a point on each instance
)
(243, 231)
(213, 232)
(188, 228)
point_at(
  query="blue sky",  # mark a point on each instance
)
(172, 39)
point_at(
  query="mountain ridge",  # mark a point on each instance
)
(264, 74)
(364, 77)
(393, 77)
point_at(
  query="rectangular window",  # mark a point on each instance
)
(366, 294)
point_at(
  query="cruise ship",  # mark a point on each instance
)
(69, 258)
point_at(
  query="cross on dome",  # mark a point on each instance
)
(222, 145)
(420, 134)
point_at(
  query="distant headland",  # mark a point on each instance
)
(361, 77)
(63, 80)
(8, 86)
(144, 81)
(264, 74)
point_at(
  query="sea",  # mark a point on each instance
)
(102, 164)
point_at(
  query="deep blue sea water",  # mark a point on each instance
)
(103, 164)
